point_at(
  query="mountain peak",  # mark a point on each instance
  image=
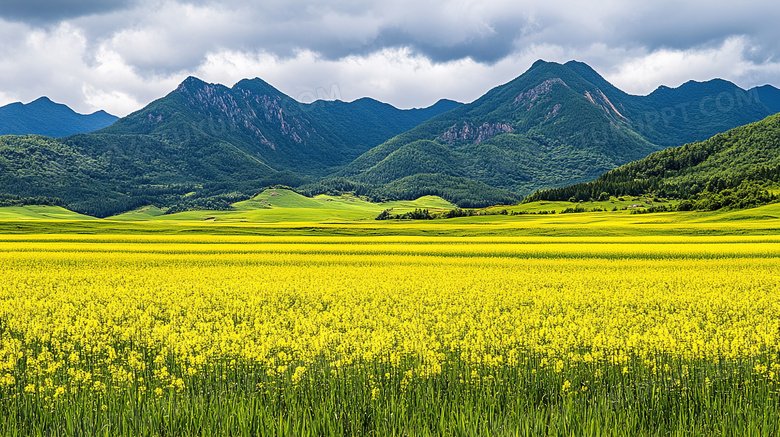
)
(766, 87)
(258, 86)
(41, 100)
(588, 73)
(254, 81)
(189, 83)
(716, 82)
(540, 63)
(449, 103)
(768, 95)
(694, 87)
(577, 63)
(44, 103)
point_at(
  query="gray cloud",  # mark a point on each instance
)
(123, 53)
(48, 11)
(689, 24)
(488, 48)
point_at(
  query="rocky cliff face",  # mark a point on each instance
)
(528, 98)
(599, 99)
(534, 96)
(468, 132)
(271, 107)
(263, 115)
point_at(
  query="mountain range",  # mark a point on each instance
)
(557, 125)
(205, 145)
(201, 140)
(257, 120)
(44, 117)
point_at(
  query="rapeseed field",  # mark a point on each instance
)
(407, 336)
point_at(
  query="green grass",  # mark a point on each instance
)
(503, 401)
(283, 212)
(40, 212)
(278, 205)
(625, 203)
(140, 214)
(759, 221)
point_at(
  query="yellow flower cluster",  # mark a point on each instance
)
(110, 312)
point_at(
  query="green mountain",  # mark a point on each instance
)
(201, 146)
(553, 126)
(35, 166)
(370, 122)
(694, 111)
(731, 168)
(548, 127)
(258, 121)
(768, 95)
(44, 117)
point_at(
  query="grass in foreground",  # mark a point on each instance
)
(237, 335)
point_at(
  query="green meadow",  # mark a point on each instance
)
(283, 212)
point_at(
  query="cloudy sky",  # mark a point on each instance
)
(119, 55)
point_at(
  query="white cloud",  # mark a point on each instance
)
(116, 102)
(396, 76)
(43, 63)
(643, 73)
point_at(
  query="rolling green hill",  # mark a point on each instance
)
(33, 166)
(282, 205)
(97, 180)
(39, 212)
(271, 205)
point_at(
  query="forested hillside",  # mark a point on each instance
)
(731, 168)
(554, 126)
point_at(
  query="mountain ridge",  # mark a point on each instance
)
(265, 123)
(768, 95)
(536, 130)
(42, 116)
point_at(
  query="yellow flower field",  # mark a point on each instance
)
(105, 324)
